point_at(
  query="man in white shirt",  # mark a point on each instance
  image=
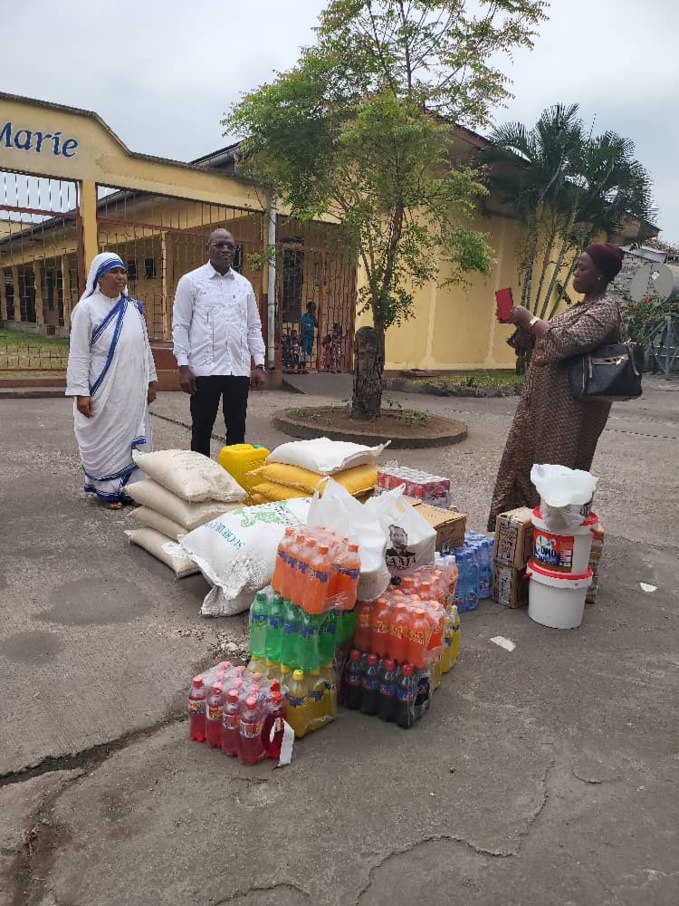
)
(217, 332)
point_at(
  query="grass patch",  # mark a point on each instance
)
(32, 353)
(503, 377)
(18, 338)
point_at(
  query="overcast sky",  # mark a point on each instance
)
(162, 73)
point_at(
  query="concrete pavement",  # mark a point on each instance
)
(545, 776)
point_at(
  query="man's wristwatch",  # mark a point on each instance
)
(533, 321)
(259, 367)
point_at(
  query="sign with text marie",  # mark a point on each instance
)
(36, 141)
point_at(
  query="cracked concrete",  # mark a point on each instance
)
(545, 776)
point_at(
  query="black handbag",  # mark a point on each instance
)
(610, 372)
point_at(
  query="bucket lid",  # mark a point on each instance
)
(592, 519)
(558, 579)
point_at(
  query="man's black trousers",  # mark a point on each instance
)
(233, 392)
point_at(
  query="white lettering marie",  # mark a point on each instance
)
(40, 142)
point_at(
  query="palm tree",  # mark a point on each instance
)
(566, 188)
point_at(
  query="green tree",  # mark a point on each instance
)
(567, 188)
(360, 129)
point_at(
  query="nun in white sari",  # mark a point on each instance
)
(111, 375)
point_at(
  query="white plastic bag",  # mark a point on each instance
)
(565, 494)
(339, 511)
(324, 455)
(411, 540)
(237, 551)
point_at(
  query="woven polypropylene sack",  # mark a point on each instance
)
(190, 475)
(189, 515)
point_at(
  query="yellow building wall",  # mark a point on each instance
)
(454, 327)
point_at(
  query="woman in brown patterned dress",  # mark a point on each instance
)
(549, 425)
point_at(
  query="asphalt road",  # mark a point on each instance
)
(545, 775)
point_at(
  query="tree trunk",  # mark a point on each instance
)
(369, 365)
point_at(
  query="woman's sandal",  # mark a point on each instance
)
(112, 504)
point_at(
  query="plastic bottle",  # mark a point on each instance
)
(318, 580)
(291, 633)
(387, 700)
(329, 675)
(353, 674)
(448, 633)
(419, 631)
(349, 575)
(282, 565)
(370, 687)
(348, 624)
(231, 724)
(270, 669)
(257, 664)
(381, 628)
(196, 705)
(299, 707)
(259, 617)
(471, 599)
(399, 626)
(214, 711)
(309, 657)
(290, 584)
(274, 629)
(327, 630)
(485, 568)
(461, 561)
(316, 695)
(455, 617)
(284, 677)
(363, 629)
(251, 747)
(424, 685)
(404, 714)
(305, 555)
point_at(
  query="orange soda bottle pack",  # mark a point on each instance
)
(317, 569)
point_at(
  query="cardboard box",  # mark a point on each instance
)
(510, 586)
(450, 525)
(514, 537)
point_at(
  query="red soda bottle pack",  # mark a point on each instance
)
(242, 713)
(317, 569)
(432, 489)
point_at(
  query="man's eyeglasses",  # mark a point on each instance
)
(223, 245)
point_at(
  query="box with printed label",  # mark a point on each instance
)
(514, 537)
(510, 586)
(449, 524)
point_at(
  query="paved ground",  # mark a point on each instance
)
(542, 776)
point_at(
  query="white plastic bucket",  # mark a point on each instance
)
(554, 600)
(566, 553)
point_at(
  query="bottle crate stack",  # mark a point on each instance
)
(240, 712)
(404, 641)
(298, 623)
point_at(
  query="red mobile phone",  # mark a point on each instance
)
(504, 302)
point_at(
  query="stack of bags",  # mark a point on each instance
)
(299, 468)
(184, 490)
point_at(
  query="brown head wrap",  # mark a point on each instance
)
(606, 257)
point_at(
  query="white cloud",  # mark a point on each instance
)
(162, 73)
